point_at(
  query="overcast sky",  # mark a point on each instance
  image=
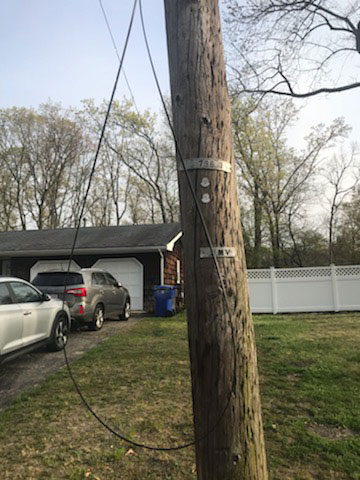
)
(61, 50)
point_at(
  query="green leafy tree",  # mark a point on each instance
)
(275, 178)
(347, 245)
(40, 150)
(341, 179)
(137, 161)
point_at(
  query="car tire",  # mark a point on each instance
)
(126, 314)
(98, 318)
(59, 333)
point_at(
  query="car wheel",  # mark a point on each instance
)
(59, 335)
(98, 318)
(126, 314)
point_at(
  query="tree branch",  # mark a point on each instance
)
(304, 94)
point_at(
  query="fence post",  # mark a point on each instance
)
(335, 290)
(273, 290)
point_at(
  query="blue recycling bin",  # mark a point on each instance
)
(164, 300)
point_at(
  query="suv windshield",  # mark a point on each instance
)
(57, 279)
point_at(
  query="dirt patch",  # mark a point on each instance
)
(325, 332)
(30, 370)
(331, 432)
(293, 378)
(305, 472)
(301, 363)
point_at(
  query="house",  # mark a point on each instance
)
(138, 256)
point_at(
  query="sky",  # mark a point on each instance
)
(61, 50)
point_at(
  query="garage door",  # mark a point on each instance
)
(128, 271)
(45, 265)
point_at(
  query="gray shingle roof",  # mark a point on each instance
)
(122, 238)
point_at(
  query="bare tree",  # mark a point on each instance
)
(47, 154)
(54, 145)
(7, 201)
(40, 149)
(275, 177)
(287, 47)
(119, 191)
(348, 230)
(250, 141)
(341, 181)
(14, 161)
(138, 157)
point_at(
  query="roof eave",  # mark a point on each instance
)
(82, 251)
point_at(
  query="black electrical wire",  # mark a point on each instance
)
(191, 186)
(203, 224)
(97, 417)
(102, 134)
(76, 385)
(117, 52)
(192, 189)
(115, 432)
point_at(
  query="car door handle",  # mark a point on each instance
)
(27, 313)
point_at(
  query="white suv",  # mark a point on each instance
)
(30, 318)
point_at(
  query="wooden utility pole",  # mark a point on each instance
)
(226, 403)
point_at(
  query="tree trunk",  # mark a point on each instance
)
(273, 224)
(257, 228)
(226, 403)
(331, 235)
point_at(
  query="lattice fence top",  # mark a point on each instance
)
(259, 274)
(305, 273)
(348, 271)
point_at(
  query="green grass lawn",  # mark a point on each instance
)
(139, 383)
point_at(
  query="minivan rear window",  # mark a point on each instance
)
(57, 279)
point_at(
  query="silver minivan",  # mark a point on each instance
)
(91, 294)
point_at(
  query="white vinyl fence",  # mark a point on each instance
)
(315, 289)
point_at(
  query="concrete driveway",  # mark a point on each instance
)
(28, 371)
